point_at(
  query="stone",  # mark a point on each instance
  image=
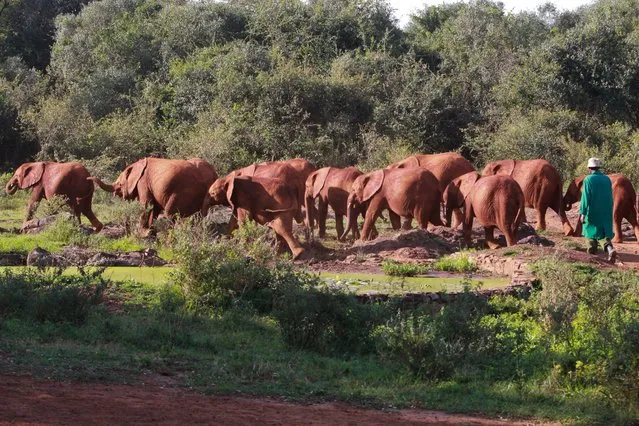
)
(536, 240)
(13, 259)
(40, 257)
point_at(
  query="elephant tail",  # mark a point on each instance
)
(521, 217)
(102, 185)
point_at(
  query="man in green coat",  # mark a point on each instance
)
(596, 210)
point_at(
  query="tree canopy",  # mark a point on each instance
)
(335, 81)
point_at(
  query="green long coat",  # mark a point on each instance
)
(596, 206)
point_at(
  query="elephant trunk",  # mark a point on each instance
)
(448, 215)
(12, 186)
(309, 206)
(351, 216)
(206, 204)
(105, 186)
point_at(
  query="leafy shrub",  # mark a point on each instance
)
(324, 319)
(591, 318)
(460, 262)
(49, 295)
(54, 205)
(397, 269)
(213, 272)
(439, 344)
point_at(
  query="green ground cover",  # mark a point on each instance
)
(146, 330)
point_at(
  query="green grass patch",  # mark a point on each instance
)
(398, 269)
(459, 262)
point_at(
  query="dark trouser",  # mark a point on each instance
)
(593, 246)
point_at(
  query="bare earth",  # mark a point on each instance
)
(26, 401)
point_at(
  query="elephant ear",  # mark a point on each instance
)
(135, 174)
(320, 180)
(466, 182)
(412, 161)
(373, 184)
(229, 191)
(31, 175)
(250, 170)
(505, 167)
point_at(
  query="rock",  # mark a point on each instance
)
(113, 231)
(147, 257)
(536, 240)
(12, 259)
(76, 256)
(41, 258)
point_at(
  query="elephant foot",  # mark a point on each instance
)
(493, 245)
(297, 252)
(568, 231)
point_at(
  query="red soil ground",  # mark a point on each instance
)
(25, 401)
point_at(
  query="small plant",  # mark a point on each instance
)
(459, 262)
(397, 269)
(511, 252)
(54, 205)
(66, 230)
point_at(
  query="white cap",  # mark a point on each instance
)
(594, 163)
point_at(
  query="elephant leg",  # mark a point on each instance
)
(565, 223)
(283, 228)
(372, 213)
(509, 234)
(395, 220)
(541, 218)
(490, 237)
(469, 214)
(321, 218)
(339, 225)
(88, 212)
(617, 217)
(407, 223)
(632, 219)
(32, 205)
(458, 219)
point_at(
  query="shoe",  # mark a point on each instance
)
(612, 255)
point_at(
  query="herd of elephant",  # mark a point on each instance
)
(420, 187)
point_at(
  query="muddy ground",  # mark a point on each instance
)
(29, 402)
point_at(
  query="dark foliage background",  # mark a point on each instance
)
(335, 81)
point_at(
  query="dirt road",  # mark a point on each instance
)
(24, 400)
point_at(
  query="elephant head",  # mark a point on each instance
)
(502, 167)
(26, 176)
(363, 189)
(125, 186)
(456, 192)
(573, 193)
(314, 184)
(220, 193)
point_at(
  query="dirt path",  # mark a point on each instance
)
(27, 401)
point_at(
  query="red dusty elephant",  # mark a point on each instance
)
(496, 201)
(169, 187)
(541, 184)
(331, 186)
(294, 172)
(445, 166)
(267, 201)
(46, 179)
(624, 203)
(409, 193)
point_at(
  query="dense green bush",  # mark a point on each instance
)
(216, 272)
(592, 318)
(325, 319)
(440, 343)
(49, 295)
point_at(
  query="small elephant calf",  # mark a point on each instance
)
(267, 201)
(496, 201)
